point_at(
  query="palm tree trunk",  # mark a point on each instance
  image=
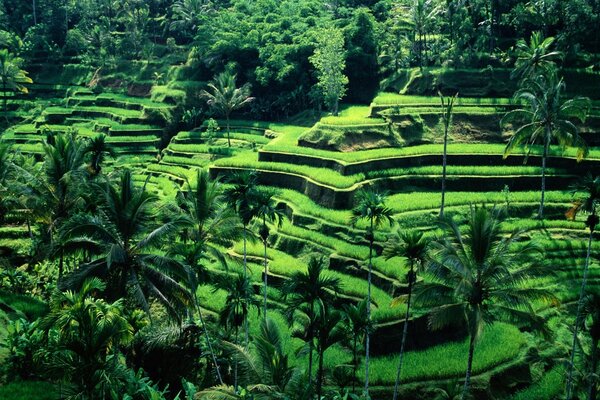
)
(235, 368)
(310, 345)
(544, 157)
(5, 103)
(210, 348)
(246, 329)
(368, 338)
(320, 372)
(444, 166)
(593, 392)
(467, 385)
(404, 332)
(354, 362)
(61, 263)
(34, 13)
(578, 315)
(265, 278)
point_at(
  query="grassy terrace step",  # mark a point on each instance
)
(458, 154)
(116, 100)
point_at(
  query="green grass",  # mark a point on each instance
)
(28, 390)
(387, 98)
(31, 307)
(498, 344)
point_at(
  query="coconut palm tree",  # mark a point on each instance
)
(591, 187)
(370, 205)
(98, 149)
(478, 277)
(330, 330)
(54, 194)
(241, 197)
(240, 299)
(547, 118)
(357, 327)
(125, 233)
(88, 331)
(205, 221)
(535, 58)
(224, 97)
(303, 292)
(265, 208)
(591, 317)
(412, 246)
(12, 76)
(265, 373)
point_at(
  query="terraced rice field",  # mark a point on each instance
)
(315, 187)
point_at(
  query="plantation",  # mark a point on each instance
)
(300, 200)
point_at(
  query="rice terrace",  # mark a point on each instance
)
(299, 199)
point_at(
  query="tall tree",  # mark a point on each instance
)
(590, 186)
(330, 331)
(357, 326)
(412, 246)
(535, 58)
(241, 196)
(224, 97)
(548, 117)
(89, 331)
(370, 205)
(205, 221)
(447, 110)
(125, 233)
(12, 76)
(329, 59)
(304, 292)
(266, 210)
(479, 276)
(240, 299)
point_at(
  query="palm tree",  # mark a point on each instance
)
(12, 76)
(591, 316)
(240, 298)
(305, 291)
(478, 277)
(535, 58)
(224, 97)
(547, 118)
(186, 16)
(330, 330)
(125, 233)
(266, 210)
(98, 149)
(241, 197)
(412, 246)
(265, 373)
(447, 109)
(370, 205)
(206, 221)
(89, 330)
(55, 194)
(591, 187)
(357, 326)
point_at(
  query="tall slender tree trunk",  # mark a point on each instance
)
(578, 315)
(467, 385)
(320, 373)
(444, 166)
(235, 368)
(544, 158)
(246, 329)
(354, 362)
(368, 338)
(4, 101)
(210, 348)
(593, 392)
(405, 330)
(266, 268)
(311, 345)
(34, 13)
